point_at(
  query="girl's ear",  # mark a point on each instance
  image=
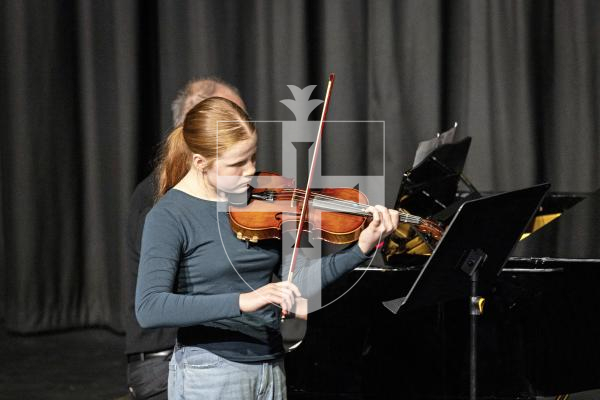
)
(199, 162)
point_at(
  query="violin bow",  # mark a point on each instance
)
(303, 214)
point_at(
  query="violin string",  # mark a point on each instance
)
(332, 205)
(350, 202)
(351, 206)
(405, 217)
(335, 199)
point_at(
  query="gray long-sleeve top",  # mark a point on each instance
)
(193, 269)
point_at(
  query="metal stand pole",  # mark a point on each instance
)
(476, 309)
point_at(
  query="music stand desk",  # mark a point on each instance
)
(471, 254)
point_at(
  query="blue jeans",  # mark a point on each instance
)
(195, 373)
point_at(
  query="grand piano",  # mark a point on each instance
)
(538, 336)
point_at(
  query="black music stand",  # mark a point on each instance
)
(471, 255)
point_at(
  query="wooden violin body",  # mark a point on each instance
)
(276, 209)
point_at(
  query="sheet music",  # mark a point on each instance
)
(427, 146)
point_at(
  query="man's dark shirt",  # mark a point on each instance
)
(140, 340)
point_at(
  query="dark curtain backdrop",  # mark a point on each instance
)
(86, 89)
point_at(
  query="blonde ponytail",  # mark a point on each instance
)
(175, 161)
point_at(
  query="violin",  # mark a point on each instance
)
(276, 206)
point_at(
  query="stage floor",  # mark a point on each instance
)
(78, 364)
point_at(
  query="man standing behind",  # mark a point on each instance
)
(148, 350)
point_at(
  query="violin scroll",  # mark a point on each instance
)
(431, 228)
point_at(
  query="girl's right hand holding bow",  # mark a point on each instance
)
(282, 294)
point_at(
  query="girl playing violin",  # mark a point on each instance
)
(229, 343)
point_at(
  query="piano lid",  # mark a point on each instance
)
(573, 235)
